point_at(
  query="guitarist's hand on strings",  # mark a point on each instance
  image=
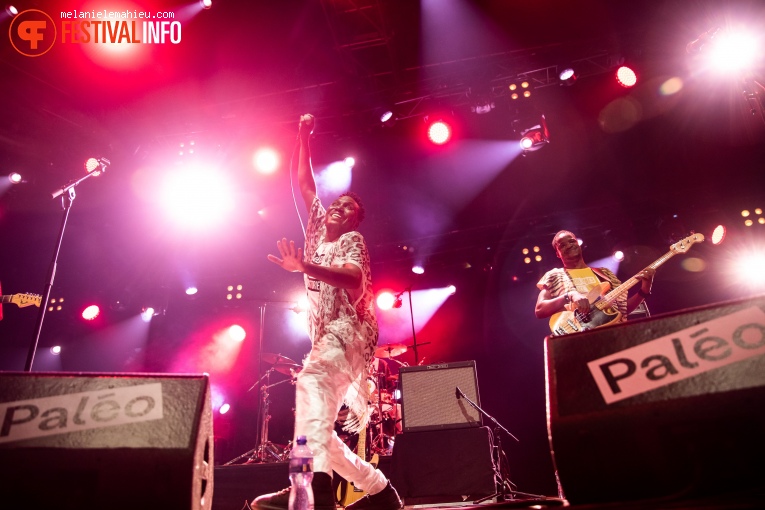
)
(579, 301)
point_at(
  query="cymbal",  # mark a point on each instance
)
(390, 351)
(287, 368)
(272, 358)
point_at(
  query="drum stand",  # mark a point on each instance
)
(266, 451)
(377, 444)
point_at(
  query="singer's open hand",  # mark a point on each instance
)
(292, 258)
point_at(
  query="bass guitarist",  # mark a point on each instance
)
(570, 289)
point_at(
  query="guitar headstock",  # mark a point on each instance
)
(23, 300)
(684, 245)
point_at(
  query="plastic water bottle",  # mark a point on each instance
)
(301, 475)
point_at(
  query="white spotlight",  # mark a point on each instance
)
(14, 177)
(206, 4)
(237, 333)
(266, 161)
(147, 314)
(349, 162)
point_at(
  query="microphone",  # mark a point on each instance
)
(457, 392)
(307, 119)
(696, 45)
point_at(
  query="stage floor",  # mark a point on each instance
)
(233, 485)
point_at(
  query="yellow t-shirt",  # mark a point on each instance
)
(584, 279)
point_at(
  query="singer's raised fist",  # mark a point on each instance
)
(306, 126)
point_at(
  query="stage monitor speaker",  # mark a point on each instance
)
(437, 466)
(429, 396)
(666, 407)
(103, 440)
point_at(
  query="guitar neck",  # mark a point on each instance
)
(361, 446)
(7, 299)
(612, 296)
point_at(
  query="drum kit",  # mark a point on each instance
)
(384, 409)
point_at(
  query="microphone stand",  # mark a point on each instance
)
(66, 203)
(501, 482)
(408, 290)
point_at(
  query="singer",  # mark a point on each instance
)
(343, 330)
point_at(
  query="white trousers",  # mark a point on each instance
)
(319, 391)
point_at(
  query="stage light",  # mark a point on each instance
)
(266, 161)
(91, 312)
(224, 408)
(206, 4)
(387, 300)
(732, 52)
(191, 291)
(626, 77)
(386, 116)
(418, 269)
(197, 198)
(11, 10)
(520, 88)
(237, 333)
(439, 132)
(535, 137)
(96, 163)
(55, 350)
(481, 99)
(301, 305)
(618, 255)
(753, 267)
(147, 313)
(234, 292)
(749, 221)
(567, 76)
(349, 162)
(718, 234)
(14, 177)
(91, 164)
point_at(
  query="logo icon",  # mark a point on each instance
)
(32, 33)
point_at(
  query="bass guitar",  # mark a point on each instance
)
(347, 492)
(601, 300)
(22, 300)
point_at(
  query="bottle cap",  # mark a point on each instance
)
(301, 440)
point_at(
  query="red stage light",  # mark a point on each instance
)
(718, 234)
(91, 312)
(626, 77)
(439, 132)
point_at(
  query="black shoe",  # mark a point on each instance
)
(323, 497)
(386, 499)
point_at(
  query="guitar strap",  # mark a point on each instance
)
(600, 274)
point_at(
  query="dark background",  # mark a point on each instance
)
(639, 173)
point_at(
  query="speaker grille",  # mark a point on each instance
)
(429, 400)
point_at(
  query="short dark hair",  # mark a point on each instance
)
(356, 198)
(559, 233)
